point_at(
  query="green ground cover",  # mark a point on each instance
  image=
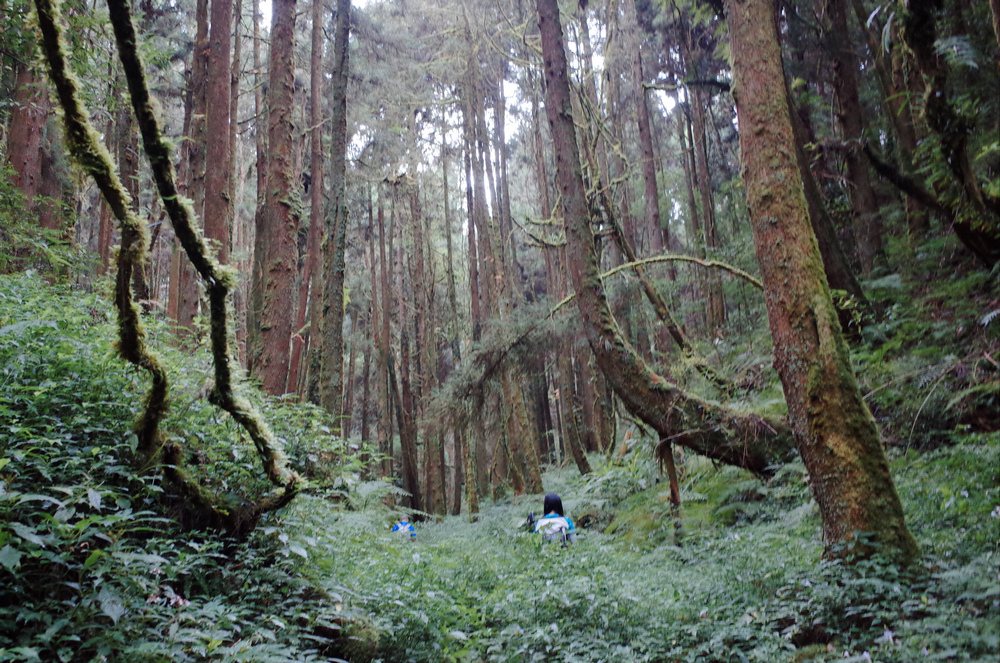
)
(97, 564)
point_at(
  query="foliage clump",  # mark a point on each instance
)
(95, 560)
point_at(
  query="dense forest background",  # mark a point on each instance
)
(723, 274)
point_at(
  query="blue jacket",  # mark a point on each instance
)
(403, 528)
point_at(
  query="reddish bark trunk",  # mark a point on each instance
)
(218, 194)
(834, 432)
(277, 243)
(25, 137)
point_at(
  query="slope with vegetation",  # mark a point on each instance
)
(97, 564)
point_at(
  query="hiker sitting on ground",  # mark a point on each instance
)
(554, 525)
(404, 526)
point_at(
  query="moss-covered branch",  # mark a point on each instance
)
(218, 280)
(85, 146)
(690, 354)
(677, 257)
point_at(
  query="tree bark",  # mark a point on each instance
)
(348, 407)
(473, 254)
(867, 218)
(384, 358)
(458, 430)
(716, 305)
(277, 244)
(406, 405)
(26, 133)
(188, 291)
(312, 271)
(834, 431)
(652, 198)
(218, 194)
(335, 233)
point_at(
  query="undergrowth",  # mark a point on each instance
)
(96, 563)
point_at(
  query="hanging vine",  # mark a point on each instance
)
(85, 146)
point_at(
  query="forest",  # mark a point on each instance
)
(724, 275)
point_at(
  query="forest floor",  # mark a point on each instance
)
(740, 579)
(99, 563)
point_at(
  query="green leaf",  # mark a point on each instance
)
(95, 499)
(111, 604)
(28, 534)
(92, 558)
(300, 551)
(28, 653)
(39, 498)
(10, 557)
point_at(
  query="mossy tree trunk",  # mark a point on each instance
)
(867, 218)
(834, 431)
(278, 267)
(335, 233)
(312, 270)
(704, 427)
(218, 178)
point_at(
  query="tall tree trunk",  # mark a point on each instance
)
(867, 218)
(189, 292)
(473, 254)
(586, 400)
(406, 415)
(716, 307)
(658, 235)
(348, 407)
(177, 257)
(366, 368)
(573, 437)
(335, 234)
(839, 273)
(312, 272)
(256, 298)
(25, 138)
(458, 431)
(218, 194)
(384, 358)
(371, 352)
(692, 226)
(706, 428)
(834, 431)
(488, 265)
(239, 235)
(128, 166)
(277, 244)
